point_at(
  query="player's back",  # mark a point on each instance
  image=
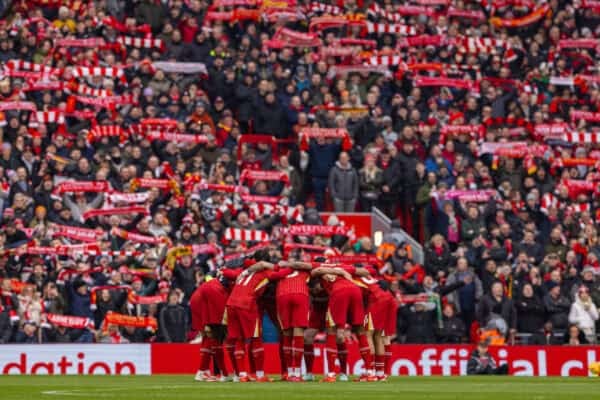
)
(247, 289)
(296, 282)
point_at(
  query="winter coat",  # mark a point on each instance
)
(343, 182)
(467, 294)
(435, 262)
(584, 319)
(410, 180)
(452, 330)
(173, 323)
(504, 308)
(471, 228)
(530, 314)
(557, 311)
(270, 119)
(419, 326)
(322, 159)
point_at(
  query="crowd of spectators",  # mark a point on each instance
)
(470, 124)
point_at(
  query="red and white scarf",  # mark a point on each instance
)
(81, 187)
(81, 234)
(115, 211)
(470, 195)
(70, 321)
(382, 29)
(246, 235)
(141, 43)
(135, 237)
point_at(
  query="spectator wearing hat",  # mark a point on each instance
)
(589, 280)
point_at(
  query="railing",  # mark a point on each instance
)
(381, 226)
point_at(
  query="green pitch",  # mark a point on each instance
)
(405, 388)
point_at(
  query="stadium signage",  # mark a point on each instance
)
(412, 360)
(99, 359)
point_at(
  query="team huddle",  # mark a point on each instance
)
(302, 299)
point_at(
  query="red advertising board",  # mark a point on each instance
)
(412, 359)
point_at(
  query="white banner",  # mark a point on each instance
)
(75, 359)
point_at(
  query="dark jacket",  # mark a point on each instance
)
(452, 330)
(479, 365)
(343, 182)
(419, 327)
(504, 308)
(410, 180)
(6, 329)
(173, 324)
(530, 314)
(322, 158)
(435, 262)
(557, 311)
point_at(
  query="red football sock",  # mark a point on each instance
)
(283, 362)
(219, 357)
(206, 353)
(379, 364)
(332, 352)
(365, 351)
(251, 365)
(297, 351)
(309, 356)
(258, 353)
(230, 346)
(343, 357)
(287, 354)
(388, 359)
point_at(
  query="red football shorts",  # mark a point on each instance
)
(381, 314)
(346, 306)
(212, 306)
(293, 310)
(242, 323)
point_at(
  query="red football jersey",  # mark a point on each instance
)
(338, 283)
(248, 288)
(293, 282)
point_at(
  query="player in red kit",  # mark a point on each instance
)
(293, 309)
(207, 305)
(345, 306)
(380, 323)
(317, 323)
(243, 318)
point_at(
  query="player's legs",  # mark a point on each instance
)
(379, 351)
(235, 342)
(300, 307)
(309, 351)
(284, 317)
(217, 332)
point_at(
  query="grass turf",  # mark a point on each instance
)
(183, 387)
